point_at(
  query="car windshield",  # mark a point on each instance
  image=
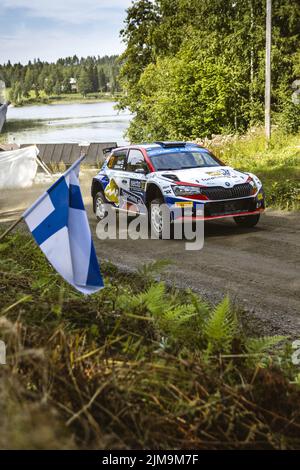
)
(183, 160)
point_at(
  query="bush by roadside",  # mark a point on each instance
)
(138, 365)
(278, 166)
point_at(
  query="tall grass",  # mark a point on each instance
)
(137, 365)
(278, 166)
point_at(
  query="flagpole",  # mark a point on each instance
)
(16, 222)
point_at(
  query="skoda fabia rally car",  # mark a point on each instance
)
(138, 179)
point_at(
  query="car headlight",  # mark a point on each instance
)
(254, 188)
(182, 190)
(255, 183)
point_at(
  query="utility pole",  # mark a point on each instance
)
(268, 70)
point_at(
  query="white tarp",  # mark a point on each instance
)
(18, 167)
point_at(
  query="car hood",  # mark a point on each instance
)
(210, 176)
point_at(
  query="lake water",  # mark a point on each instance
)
(92, 122)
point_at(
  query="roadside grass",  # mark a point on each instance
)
(137, 365)
(278, 166)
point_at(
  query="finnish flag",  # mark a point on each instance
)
(59, 225)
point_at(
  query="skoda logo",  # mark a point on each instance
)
(227, 183)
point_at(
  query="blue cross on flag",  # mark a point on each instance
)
(59, 224)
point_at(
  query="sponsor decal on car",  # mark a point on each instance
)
(137, 185)
(184, 204)
(112, 192)
(130, 197)
(215, 173)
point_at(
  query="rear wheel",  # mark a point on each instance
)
(160, 219)
(247, 220)
(99, 206)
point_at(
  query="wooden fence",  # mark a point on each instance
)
(54, 154)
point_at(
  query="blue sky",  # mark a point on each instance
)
(49, 29)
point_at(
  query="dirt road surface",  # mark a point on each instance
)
(258, 267)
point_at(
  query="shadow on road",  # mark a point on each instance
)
(229, 228)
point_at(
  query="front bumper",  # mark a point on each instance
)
(231, 207)
(215, 209)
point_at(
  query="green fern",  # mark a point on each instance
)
(153, 300)
(258, 349)
(176, 321)
(148, 272)
(263, 344)
(200, 305)
(220, 328)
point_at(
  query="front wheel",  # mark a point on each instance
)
(99, 206)
(247, 220)
(160, 220)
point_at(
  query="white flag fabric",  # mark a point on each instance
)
(59, 225)
(18, 167)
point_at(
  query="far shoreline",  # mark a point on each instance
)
(66, 99)
(50, 102)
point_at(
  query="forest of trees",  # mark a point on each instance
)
(196, 67)
(190, 68)
(91, 74)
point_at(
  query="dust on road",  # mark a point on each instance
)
(258, 267)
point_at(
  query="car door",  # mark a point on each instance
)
(132, 195)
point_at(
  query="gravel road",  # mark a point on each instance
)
(258, 267)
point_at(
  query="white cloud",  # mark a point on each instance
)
(69, 11)
(81, 27)
(27, 45)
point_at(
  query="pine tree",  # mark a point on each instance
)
(85, 84)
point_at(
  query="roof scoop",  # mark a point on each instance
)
(170, 144)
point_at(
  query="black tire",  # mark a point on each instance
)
(247, 220)
(99, 198)
(157, 228)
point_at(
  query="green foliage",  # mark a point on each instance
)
(137, 365)
(85, 84)
(38, 80)
(263, 344)
(182, 81)
(150, 300)
(142, 19)
(278, 166)
(257, 348)
(289, 119)
(221, 327)
(150, 271)
(183, 100)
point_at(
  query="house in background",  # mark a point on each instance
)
(73, 84)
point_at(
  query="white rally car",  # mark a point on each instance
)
(139, 178)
